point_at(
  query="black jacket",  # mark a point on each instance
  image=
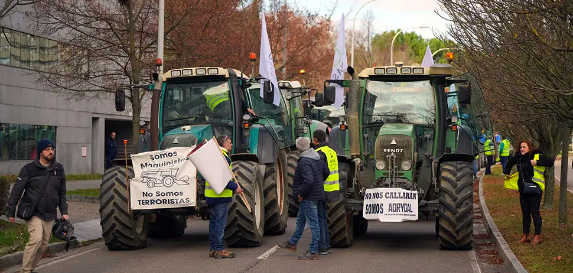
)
(524, 166)
(31, 181)
(111, 148)
(308, 181)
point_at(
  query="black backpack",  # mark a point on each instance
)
(64, 230)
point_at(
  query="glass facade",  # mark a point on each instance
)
(28, 51)
(18, 141)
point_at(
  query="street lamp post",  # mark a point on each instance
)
(441, 49)
(353, 32)
(393, 39)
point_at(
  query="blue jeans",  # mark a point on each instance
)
(503, 160)
(307, 214)
(218, 213)
(322, 221)
(475, 167)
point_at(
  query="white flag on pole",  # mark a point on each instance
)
(266, 65)
(211, 163)
(428, 59)
(340, 64)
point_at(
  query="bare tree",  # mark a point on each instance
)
(10, 5)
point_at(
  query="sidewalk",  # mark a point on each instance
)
(79, 184)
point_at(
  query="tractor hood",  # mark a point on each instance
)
(187, 136)
(397, 129)
(395, 147)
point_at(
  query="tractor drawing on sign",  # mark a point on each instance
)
(163, 178)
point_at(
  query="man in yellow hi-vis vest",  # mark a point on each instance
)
(488, 148)
(331, 187)
(219, 207)
(504, 146)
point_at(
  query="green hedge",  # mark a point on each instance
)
(4, 191)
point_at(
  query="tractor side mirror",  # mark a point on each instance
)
(464, 94)
(268, 92)
(329, 94)
(120, 100)
(319, 100)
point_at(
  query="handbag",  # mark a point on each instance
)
(531, 188)
(26, 210)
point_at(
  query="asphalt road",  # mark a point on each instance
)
(569, 173)
(397, 247)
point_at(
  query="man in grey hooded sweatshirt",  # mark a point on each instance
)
(308, 187)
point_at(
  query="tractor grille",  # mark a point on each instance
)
(402, 149)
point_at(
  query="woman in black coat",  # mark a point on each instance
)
(530, 202)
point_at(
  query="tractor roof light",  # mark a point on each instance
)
(302, 72)
(187, 72)
(201, 71)
(213, 71)
(175, 73)
(391, 70)
(406, 70)
(379, 71)
(158, 62)
(253, 57)
(450, 57)
(418, 70)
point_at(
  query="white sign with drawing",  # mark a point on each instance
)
(390, 205)
(163, 179)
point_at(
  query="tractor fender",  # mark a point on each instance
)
(457, 157)
(245, 157)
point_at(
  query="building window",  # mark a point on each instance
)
(18, 141)
(28, 51)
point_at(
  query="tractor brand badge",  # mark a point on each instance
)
(176, 140)
(393, 150)
(393, 141)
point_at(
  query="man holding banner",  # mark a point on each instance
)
(219, 207)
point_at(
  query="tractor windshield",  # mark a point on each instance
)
(187, 103)
(399, 102)
(327, 114)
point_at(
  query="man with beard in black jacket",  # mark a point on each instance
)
(43, 183)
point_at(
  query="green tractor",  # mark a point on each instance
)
(18, 141)
(196, 104)
(401, 134)
(293, 92)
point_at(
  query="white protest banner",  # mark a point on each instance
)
(163, 179)
(212, 165)
(339, 65)
(390, 205)
(266, 65)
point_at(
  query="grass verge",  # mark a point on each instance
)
(69, 177)
(13, 237)
(554, 254)
(85, 192)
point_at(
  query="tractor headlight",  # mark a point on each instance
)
(406, 165)
(288, 95)
(380, 165)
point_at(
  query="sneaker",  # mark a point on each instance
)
(324, 251)
(212, 253)
(308, 256)
(288, 246)
(224, 254)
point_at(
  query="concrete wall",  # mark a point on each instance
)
(22, 101)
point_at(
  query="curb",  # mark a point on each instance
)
(16, 258)
(81, 198)
(510, 262)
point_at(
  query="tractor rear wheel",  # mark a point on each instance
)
(167, 226)
(292, 161)
(341, 222)
(456, 207)
(120, 228)
(246, 228)
(276, 195)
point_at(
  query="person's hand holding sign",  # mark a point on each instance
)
(239, 190)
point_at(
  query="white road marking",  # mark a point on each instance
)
(67, 258)
(474, 262)
(268, 253)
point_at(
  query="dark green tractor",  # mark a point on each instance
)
(401, 134)
(197, 104)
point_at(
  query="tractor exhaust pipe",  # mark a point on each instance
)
(352, 114)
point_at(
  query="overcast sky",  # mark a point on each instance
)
(389, 14)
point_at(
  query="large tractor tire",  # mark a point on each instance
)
(246, 228)
(276, 195)
(456, 208)
(340, 222)
(167, 226)
(120, 229)
(292, 161)
(25, 149)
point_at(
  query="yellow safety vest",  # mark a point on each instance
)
(539, 174)
(331, 184)
(209, 192)
(488, 147)
(214, 100)
(506, 145)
